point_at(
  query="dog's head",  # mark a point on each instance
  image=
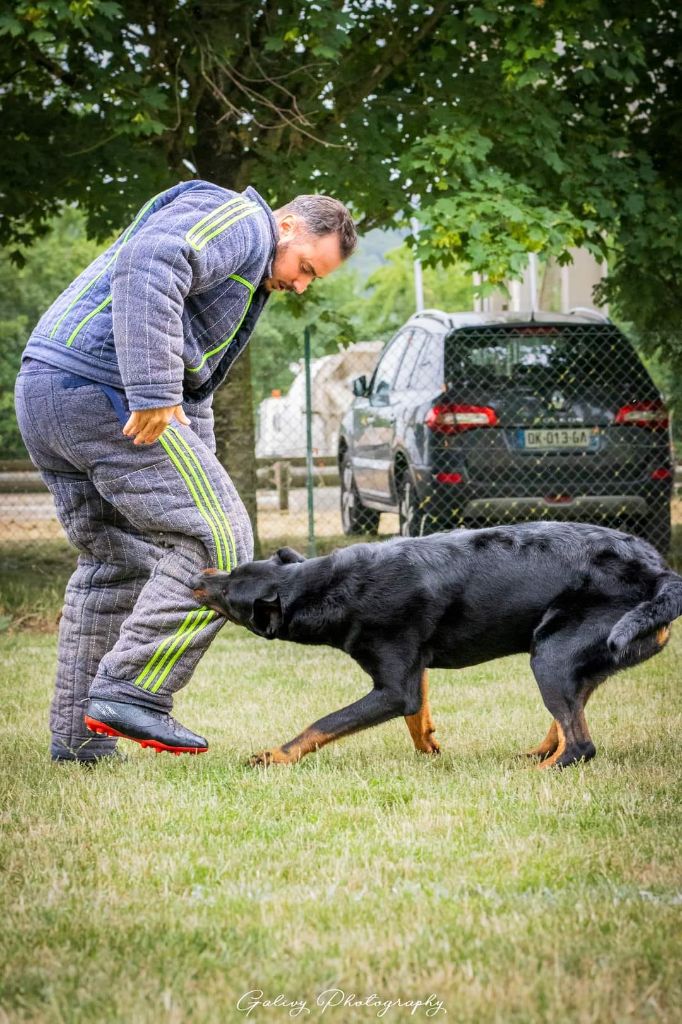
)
(250, 595)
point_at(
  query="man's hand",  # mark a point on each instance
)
(147, 425)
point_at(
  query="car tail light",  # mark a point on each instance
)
(663, 473)
(653, 415)
(453, 419)
(449, 478)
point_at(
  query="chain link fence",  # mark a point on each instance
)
(461, 420)
(473, 423)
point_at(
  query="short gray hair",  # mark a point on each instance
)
(325, 216)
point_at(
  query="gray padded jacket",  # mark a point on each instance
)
(165, 311)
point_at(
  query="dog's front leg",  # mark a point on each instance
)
(378, 706)
(421, 725)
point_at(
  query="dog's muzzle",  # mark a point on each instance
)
(206, 589)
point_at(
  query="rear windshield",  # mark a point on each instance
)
(543, 355)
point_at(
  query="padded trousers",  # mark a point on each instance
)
(145, 519)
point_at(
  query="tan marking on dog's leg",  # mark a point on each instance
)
(663, 635)
(561, 747)
(548, 745)
(582, 732)
(421, 725)
(294, 750)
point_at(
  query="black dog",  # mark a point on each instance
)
(585, 601)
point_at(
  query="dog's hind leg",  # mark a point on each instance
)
(568, 740)
(580, 748)
(570, 657)
(549, 745)
(556, 664)
(421, 725)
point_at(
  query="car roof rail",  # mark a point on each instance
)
(592, 314)
(433, 314)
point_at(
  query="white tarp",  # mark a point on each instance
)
(281, 430)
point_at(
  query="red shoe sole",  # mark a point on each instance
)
(106, 730)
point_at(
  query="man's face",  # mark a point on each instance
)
(301, 257)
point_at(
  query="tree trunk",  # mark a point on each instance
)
(233, 400)
(236, 436)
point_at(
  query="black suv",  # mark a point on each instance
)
(478, 419)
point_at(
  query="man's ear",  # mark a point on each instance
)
(289, 227)
(285, 556)
(266, 615)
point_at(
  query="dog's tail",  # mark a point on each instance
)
(648, 616)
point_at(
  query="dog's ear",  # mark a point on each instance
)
(266, 615)
(285, 556)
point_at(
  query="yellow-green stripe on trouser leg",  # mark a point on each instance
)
(182, 498)
(205, 498)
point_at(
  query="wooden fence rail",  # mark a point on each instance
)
(21, 477)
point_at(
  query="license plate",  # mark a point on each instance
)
(556, 437)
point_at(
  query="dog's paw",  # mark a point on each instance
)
(262, 759)
(428, 744)
(267, 757)
(549, 745)
(538, 753)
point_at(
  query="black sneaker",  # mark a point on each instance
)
(156, 729)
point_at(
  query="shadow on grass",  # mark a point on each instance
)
(33, 577)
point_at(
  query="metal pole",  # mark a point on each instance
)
(309, 443)
(515, 289)
(418, 281)
(478, 303)
(533, 278)
(605, 274)
(565, 290)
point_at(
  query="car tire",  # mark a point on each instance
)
(355, 517)
(409, 519)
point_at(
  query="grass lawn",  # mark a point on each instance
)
(164, 889)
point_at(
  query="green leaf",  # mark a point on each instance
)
(10, 26)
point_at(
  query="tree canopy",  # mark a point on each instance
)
(536, 125)
(508, 128)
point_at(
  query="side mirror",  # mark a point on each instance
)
(359, 386)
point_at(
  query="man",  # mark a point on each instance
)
(114, 405)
